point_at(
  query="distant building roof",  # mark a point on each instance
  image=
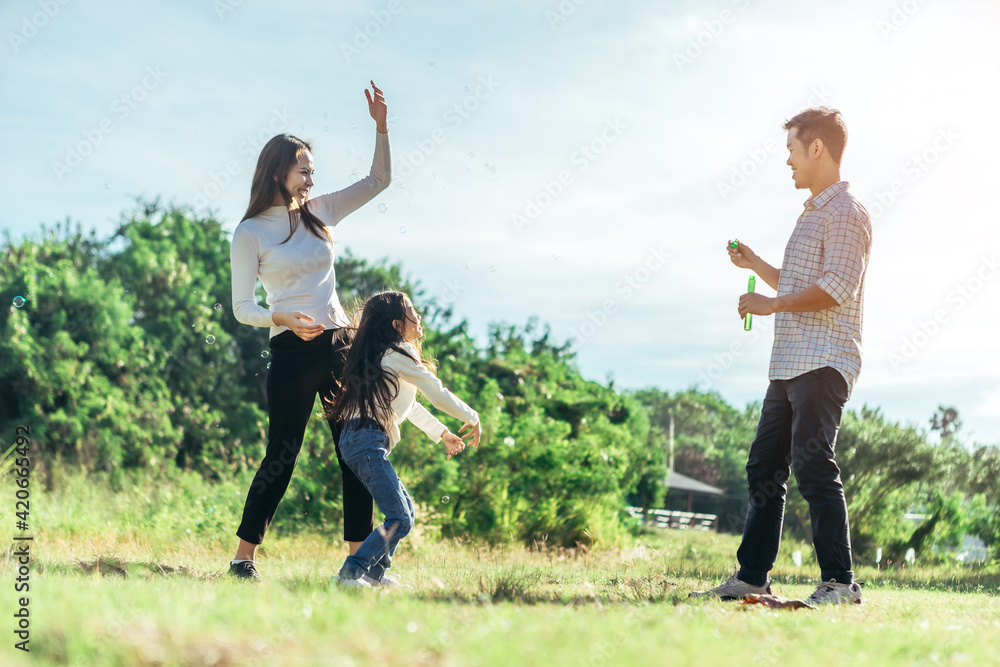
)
(679, 482)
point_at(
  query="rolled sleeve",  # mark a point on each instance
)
(846, 243)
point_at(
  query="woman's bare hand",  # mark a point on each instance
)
(298, 322)
(377, 108)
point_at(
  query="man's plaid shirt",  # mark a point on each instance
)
(829, 247)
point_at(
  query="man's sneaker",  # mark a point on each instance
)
(344, 582)
(833, 593)
(244, 570)
(733, 589)
(387, 581)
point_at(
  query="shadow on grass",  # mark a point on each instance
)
(524, 584)
(112, 566)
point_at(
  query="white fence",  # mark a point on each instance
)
(673, 519)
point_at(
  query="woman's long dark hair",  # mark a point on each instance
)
(366, 387)
(278, 157)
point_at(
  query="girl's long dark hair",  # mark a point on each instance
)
(366, 387)
(278, 157)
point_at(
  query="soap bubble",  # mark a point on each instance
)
(18, 301)
(509, 441)
(466, 89)
(348, 151)
(492, 269)
(107, 186)
(411, 627)
(382, 208)
(265, 354)
(210, 339)
(326, 115)
(445, 499)
(392, 119)
(472, 155)
(402, 230)
(326, 128)
(354, 126)
(217, 306)
(466, 266)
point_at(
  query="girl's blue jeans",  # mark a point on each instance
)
(364, 447)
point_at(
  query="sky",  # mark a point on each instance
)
(583, 162)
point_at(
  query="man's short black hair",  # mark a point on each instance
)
(824, 124)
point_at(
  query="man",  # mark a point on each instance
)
(815, 362)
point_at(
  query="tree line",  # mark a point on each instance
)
(124, 354)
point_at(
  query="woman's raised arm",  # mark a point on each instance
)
(335, 206)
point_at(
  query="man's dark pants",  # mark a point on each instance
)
(798, 428)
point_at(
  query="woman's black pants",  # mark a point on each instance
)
(299, 371)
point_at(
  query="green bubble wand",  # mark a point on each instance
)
(748, 318)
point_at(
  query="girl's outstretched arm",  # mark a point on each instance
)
(427, 422)
(431, 387)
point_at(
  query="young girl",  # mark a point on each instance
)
(382, 374)
(286, 240)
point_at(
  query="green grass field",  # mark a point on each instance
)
(143, 591)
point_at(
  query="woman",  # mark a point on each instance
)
(285, 239)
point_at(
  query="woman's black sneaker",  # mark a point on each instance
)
(244, 570)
